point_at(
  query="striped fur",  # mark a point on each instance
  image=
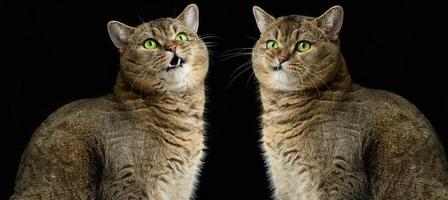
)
(144, 141)
(327, 138)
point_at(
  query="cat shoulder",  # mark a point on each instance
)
(381, 98)
(83, 113)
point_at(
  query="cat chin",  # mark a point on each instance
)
(178, 79)
(284, 81)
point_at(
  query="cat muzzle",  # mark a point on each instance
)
(175, 62)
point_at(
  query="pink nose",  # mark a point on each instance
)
(282, 59)
(171, 48)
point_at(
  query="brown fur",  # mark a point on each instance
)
(327, 138)
(144, 141)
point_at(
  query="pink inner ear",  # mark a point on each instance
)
(190, 17)
(118, 33)
(262, 18)
(331, 21)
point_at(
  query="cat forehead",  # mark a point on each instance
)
(288, 25)
(159, 23)
(160, 26)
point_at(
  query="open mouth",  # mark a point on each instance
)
(175, 63)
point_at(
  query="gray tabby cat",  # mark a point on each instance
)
(144, 141)
(327, 138)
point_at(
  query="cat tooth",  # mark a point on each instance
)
(178, 62)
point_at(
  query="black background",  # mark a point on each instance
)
(57, 52)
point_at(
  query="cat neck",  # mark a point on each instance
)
(333, 90)
(191, 98)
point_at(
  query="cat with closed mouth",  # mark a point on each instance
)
(325, 137)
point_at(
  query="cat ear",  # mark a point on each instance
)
(190, 17)
(262, 18)
(331, 21)
(119, 33)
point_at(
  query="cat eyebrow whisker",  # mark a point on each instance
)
(140, 17)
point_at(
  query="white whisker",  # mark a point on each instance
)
(247, 82)
(310, 71)
(141, 73)
(315, 86)
(239, 74)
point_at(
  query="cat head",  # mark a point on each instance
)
(295, 52)
(162, 55)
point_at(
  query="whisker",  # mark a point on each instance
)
(230, 56)
(250, 78)
(141, 85)
(240, 73)
(209, 35)
(234, 78)
(301, 80)
(245, 64)
(140, 17)
(141, 73)
(238, 50)
(319, 79)
(249, 62)
(315, 86)
(250, 37)
(236, 54)
(311, 73)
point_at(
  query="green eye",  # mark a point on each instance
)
(181, 37)
(150, 44)
(271, 44)
(303, 46)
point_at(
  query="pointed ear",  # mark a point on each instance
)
(119, 33)
(331, 21)
(262, 18)
(190, 17)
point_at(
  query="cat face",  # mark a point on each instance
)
(297, 53)
(162, 55)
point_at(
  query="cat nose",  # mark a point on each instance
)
(282, 59)
(171, 48)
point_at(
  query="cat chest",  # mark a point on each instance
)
(299, 155)
(147, 146)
